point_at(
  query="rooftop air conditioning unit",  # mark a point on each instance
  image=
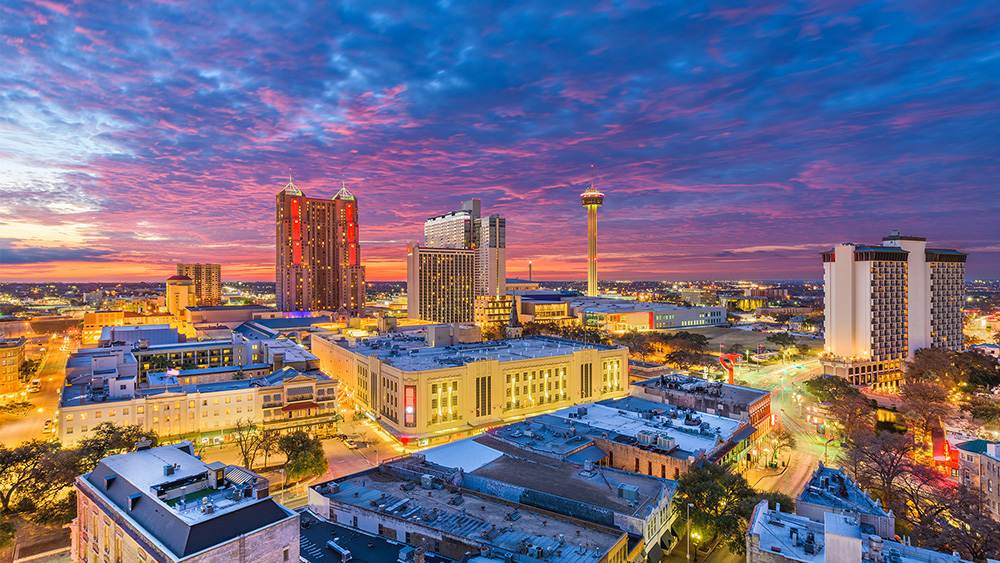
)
(628, 492)
(665, 442)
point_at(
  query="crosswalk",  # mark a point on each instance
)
(307, 547)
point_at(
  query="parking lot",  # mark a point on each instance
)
(364, 547)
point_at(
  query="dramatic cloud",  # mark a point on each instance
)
(733, 140)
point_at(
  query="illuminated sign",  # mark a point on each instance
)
(410, 405)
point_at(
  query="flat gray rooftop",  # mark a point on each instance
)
(477, 518)
(410, 354)
(832, 487)
(566, 480)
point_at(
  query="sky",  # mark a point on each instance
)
(733, 140)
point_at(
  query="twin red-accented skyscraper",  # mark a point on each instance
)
(317, 252)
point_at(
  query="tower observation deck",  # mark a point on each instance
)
(592, 199)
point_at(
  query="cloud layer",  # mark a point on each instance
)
(733, 140)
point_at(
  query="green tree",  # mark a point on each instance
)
(721, 500)
(110, 439)
(984, 408)
(160, 363)
(19, 468)
(782, 339)
(7, 531)
(828, 389)
(304, 455)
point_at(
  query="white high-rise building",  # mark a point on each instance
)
(884, 302)
(484, 237)
(491, 256)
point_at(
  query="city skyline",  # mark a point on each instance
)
(732, 143)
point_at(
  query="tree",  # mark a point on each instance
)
(109, 439)
(930, 364)
(782, 339)
(720, 502)
(160, 363)
(267, 444)
(238, 376)
(967, 529)
(783, 440)
(7, 531)
(924, 403)
(854, 413)
(304, 455)
(829, 389)
(986, 409)
(879, 460)
(247, 440)
(18, 468)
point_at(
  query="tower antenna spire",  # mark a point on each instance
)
(591, 177)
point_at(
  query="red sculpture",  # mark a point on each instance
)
(728, 362)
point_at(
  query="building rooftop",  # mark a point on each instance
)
(834, 488)
(697, 386)
(409, 353)
(167, 492)
(566, 480)
(476, 517)
(231, 308)
(789, 535)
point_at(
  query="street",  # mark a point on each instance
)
(784, 381)
(16, 429)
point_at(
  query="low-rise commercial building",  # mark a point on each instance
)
(11, 359)
(979, 468)
(431, 394)
(206, 411)
(453, 512)
(833, 490)
(94, 323)
(166, 505)
(621, 315)
(776, 537)
(752, 407)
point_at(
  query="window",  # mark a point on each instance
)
(69, 417)
(139, 409)
(215, 401)
(112, 412)
(285, 555)
(83, 428)
(69, 429)
(125, 411)
(190, 404)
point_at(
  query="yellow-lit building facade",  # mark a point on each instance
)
(425, 395)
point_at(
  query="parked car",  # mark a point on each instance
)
(47, 427)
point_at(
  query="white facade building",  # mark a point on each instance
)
(884, 302)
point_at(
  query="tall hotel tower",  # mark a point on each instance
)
(883, 302)
(592, 199)
(318, 256)
(463, 261)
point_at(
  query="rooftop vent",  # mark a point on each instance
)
(168, 469)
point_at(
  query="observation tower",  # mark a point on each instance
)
(592, 199)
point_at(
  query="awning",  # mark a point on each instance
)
(299, 406)
(655, 554)
(590, 453)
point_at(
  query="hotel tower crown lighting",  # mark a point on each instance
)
(592, 199)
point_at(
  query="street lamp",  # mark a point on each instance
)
(689, 505)
(697, 540)
(282, 471)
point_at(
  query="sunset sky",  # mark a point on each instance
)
(732, 140)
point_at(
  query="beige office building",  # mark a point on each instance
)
(426, 395)
(439, 284)
(207, 280)
(885, 302)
